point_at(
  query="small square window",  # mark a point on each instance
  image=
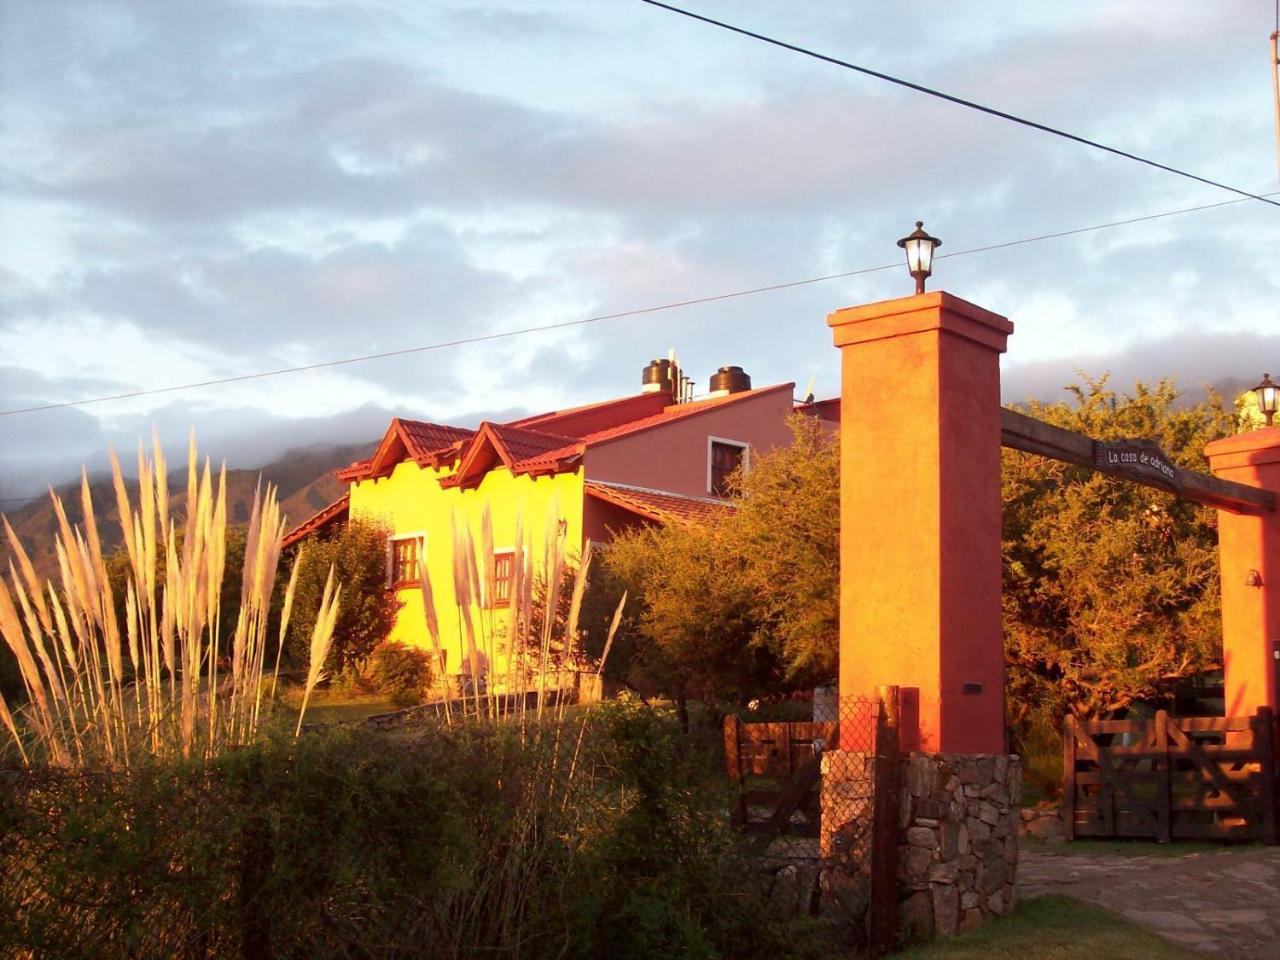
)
(406, 557)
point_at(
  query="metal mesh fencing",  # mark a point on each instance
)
(848, 811)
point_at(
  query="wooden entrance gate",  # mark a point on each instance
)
(1172, 778)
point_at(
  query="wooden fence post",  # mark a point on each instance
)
(1164, 805)
(1264, 740)
(1069, 776)
(733, 769)
(882, 912)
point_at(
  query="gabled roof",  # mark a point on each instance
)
(496, 443)
(661, 506)
(427, 444)
(335, 512)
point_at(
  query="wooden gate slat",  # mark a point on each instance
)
(1192, 750)
(1116, 784)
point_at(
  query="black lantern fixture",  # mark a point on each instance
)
(919, 246)
(1268, 395)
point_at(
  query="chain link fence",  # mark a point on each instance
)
(843, 768)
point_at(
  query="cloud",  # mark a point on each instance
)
(213, 189)
(1225, 363)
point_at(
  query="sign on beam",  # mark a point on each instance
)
(1139, 459)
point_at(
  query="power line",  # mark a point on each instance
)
(640, 311)
(960, 101)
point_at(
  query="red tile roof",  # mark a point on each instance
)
(495, 442)
(427, 444)
(580, 421)
(669, 414)
(526, 444)
(658, 505)
(335, 512)
(424, 439)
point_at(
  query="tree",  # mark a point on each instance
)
(694, 632)
(367, 610)
(1110, 587)
(785, 534)
(747, 603)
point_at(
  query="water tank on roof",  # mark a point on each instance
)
(656, 377)
(729, 380)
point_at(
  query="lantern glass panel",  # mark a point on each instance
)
(913, 255)
(1267, 398)
(925, 255)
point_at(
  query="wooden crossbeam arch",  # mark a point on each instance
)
(1021, 432)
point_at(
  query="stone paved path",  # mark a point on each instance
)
(1225, 903)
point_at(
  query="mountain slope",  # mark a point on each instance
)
(304, 480)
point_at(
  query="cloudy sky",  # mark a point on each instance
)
(195, 190)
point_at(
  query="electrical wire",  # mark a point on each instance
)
(639, 311)
(960, 101)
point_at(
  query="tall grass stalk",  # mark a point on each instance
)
(86, 706)
(531, 634)
(321, 637)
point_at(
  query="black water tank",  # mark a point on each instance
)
(656, 377)
(729, 380)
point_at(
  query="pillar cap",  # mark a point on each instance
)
(1244, 449)
(921, 313)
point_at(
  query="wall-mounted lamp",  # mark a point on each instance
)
(1268, 395)
(919, 246)
(1253, 579)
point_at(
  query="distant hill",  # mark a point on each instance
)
(304, 479)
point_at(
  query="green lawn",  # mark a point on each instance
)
(1054, 928)
(325, 710)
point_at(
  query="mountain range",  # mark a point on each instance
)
(303, 477)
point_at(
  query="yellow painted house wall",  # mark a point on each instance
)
(411, 501)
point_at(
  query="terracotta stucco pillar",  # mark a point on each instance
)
(920, 515)
(1249, 555)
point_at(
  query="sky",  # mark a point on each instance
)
(197, 190)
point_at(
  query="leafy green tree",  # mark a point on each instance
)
(367, 610)
(693, 630)
(745, 604)
(1110, 587)
(785, 536)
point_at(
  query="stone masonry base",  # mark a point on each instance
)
(957, 838)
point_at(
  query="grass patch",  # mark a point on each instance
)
(337, 706)
(1129, 848)
(353, 708)
(1054, 928)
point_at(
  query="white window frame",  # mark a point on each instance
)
(741, 444)
(421, 537)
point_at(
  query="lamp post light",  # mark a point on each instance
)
(1268, 395)
(919, 246)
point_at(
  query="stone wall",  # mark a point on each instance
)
(958, 840)
(848, 791)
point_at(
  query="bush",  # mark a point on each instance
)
(560, 840)
(368, 609)
(401, 672)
